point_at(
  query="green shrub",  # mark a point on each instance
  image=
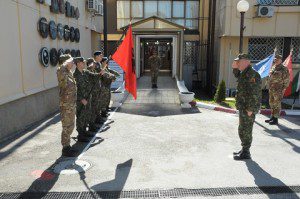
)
(221, 92)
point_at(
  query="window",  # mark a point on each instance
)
(185, 13)
(178, 9)
(164, 9)
(150, 8)
(296, 50)
(137, 9)
(279, 2)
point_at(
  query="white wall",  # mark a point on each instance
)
(21, 73)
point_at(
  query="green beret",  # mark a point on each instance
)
(242, 56)
(63, 58)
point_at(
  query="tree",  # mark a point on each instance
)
(221, 92)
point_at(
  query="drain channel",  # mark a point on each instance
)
(169, 193)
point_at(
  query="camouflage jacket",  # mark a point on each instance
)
(279, 78)
(249, 90)
(107, 77)
(97, 86)
(67, 87)
(155, 64)
(85, 82)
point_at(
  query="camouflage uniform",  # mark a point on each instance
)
(84, 80)
(68, 96)
(155, 64)
(248, 99)
(278, 81)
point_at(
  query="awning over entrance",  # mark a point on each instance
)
(155, 23)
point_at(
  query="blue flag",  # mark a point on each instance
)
(264, 66)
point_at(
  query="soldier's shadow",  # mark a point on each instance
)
(117, 184)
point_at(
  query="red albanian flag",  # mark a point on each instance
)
(124, 57)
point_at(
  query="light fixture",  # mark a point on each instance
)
(243, 6)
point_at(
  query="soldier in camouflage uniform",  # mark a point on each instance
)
(85, 79)
(106, 87)
(278, 81)
(67, 102)
(247, 101)
(155, 64)
(98, 58)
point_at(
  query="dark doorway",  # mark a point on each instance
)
(164, 48)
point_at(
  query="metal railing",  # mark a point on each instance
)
(279, 2)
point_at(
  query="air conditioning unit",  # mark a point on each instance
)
(265, 11)
(100, 9)
(92, 5)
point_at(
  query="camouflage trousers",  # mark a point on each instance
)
(68, 123)
(95, 110)
(83, 116)
(105, 97)
(154, 77)
(275, 97)
(245, 128)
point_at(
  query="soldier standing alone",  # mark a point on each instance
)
(247, 101)
(278, 81)
(155, 63)
(67, 102)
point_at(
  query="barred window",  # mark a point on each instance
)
(191, 52)
(261, 47)
(296, 51)
(279, 2)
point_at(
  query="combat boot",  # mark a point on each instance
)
(93, 128)
(244, 155)
(274, 121)
(238, 152)
(67, 151)
(270, 120)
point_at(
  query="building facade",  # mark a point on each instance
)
(33, 34)
(269, 24)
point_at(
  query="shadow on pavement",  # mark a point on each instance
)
(117, 184)
(156, 110)
(263, 179)
(18, 144)
(285, 134)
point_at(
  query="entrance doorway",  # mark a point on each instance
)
(164, 49)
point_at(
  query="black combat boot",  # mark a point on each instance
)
(93, 128)
(244, 155)
(155, 86)
(67, 151)
(83, 138)
(104, 114)
(270, 120)
(274, 121)
(237, 152)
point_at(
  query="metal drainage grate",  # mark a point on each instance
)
(169, 193)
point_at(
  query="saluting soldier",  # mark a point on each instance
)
(67, 102)
(155, 64)
(279, 80)
(248, 101)
(85, 79)
(91, 66)
(106, 86)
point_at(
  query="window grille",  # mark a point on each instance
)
(279, 2)
(296, 49)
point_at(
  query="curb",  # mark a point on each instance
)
(234, 111)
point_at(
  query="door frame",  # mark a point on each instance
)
(175, 43)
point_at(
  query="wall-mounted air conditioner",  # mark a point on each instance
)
(265, 11)
(92, 5)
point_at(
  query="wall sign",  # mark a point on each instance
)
(43, 27)
(60, 31)
(53, 57)
(66, 33)
(44, 57)
(78, 53)
(62, 6)
(54, 6)
(60, 52)
(77, 35)
(52, 30)
(72, 34)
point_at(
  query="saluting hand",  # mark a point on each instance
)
(84, 102)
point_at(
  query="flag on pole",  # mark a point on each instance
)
(288, 63)
(264, 66)
(124, 57)
(296, 84)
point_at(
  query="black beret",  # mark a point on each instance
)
(96, 53)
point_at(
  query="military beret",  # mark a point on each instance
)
(64, 57)
(242, 56)
(96, 53)
(89, 61)
(278, 56)
(79, 59)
